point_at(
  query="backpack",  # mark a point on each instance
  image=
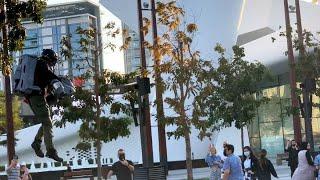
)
(24, 75)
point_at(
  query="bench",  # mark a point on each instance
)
(78, 174)
(281, 157)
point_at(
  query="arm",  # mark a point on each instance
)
(226, 169)
(110, 173)
(309, 158)
(9, 169)
(130, 166)
(272, 170)
(43, 68)
(226, 174)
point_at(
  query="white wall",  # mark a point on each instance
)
(112, 60)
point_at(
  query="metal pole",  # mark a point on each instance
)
(159, 98)
(145, 127)
(294, 100)
(306, 93)
(5, 63)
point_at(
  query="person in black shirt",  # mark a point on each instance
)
(39, 101)
(123, 168)
(266, 167)
(293, 150)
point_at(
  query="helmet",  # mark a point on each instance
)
(50, 56)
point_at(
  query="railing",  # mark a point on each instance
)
(54, 166)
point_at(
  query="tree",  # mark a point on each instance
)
(18, 124)
(94, 106)
(186, 78)
(13, 36)
(236, 97)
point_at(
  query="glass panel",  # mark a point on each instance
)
(285, 91)
(254, 128)
(255, 144)
(315, 110)
(271, 111)
(272, 138)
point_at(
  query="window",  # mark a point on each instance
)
(46, 31)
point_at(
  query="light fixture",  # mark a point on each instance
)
(292, 9)
(145, 5)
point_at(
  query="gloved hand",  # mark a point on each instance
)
(51, 99)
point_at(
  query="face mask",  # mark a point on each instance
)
(247, 153)
(122, 157)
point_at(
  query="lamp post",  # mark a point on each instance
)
(159, 98)
(145, 127)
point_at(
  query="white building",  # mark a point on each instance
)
(220, 21)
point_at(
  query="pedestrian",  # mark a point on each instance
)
(305, 169)
(214, 162)
(266, 168)
(39, 100)
(69, 169)
(232, 167)
(123, 168)
(250, 164)
(317, 164)
(13, 171)
(224, 155)
(293, 149)
(24, 172)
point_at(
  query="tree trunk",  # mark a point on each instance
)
(98, 107)
(188, 155)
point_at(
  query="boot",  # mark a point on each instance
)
(36, 146)
(52, 154)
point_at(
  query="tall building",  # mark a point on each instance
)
(132, 53)
(61, 21)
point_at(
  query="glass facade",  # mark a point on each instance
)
(132, 53)
(49, 34)
(61, 21)
(273, 125)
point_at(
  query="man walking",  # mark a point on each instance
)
(232, 167)
(123, 168)
(293, 150)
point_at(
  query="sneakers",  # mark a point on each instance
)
(52, 153)
(36, 146)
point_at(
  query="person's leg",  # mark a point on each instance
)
(42, 113)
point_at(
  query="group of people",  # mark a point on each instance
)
(301, 162)
(18, 171)
(249, 167)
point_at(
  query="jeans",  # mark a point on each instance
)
(215, 174)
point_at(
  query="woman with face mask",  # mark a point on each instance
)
(249, 164)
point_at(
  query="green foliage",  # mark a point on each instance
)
(15, 12)
(97, 124)
(185, 74)
(234, 98)
(18, 124)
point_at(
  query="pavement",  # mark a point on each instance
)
(204, 173)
